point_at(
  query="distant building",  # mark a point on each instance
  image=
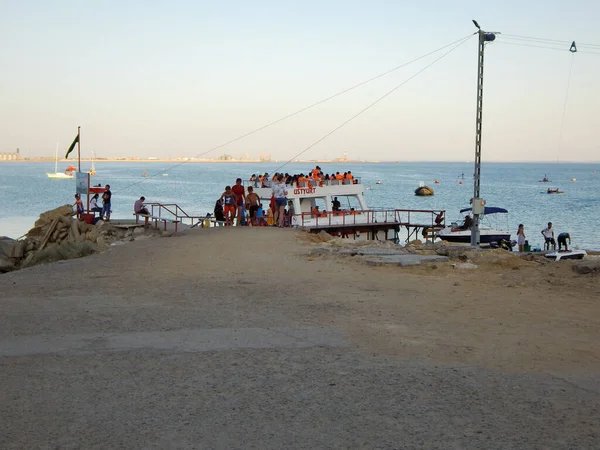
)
(11, 156)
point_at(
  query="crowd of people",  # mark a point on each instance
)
(548, 234)
(104, 211)
(315, 178)
(234, 203)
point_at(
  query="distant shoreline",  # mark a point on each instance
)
(251, 161)
(256, 161)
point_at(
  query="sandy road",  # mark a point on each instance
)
(227, 338)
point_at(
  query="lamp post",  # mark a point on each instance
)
(478, 204)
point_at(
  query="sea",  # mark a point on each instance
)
(26, 191)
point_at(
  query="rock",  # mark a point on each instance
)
(36, 231)
(101, 242)
(48, 216)
(465, 266)
(12, 248)
(56, 252)
(586, 267)
(7, 264)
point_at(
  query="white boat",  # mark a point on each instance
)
(67, 174)
(353, 219)
(461, 232)
(572, 254)
(92, 170)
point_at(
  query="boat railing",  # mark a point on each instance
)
(415, 218)
(302, 184)
(172, 211)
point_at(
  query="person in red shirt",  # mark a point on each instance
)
(240, 199)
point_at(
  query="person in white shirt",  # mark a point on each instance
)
(94, 205)
(280, 194)
(548, 234)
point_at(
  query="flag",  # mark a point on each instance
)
(75, 141)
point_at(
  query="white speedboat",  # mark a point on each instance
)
(461, 231)
(571, 254)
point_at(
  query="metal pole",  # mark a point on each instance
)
(78, 149)
(475, 239)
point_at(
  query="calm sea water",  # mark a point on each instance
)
(26, 190)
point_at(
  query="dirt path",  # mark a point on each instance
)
(237, 338)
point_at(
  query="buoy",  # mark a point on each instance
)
(423, 191)
(460, 182)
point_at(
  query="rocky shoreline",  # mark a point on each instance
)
(57, 236)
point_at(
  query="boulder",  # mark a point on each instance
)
(12, 248)
(587, 267)
(7, 264)
(57, 213)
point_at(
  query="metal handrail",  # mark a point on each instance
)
(314, 183)
(372, 216)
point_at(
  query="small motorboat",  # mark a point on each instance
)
(378, 182)
(573, 179)
(436, 182)
(488, 234)
(571, 254)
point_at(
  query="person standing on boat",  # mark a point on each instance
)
(562, 240)
(521, 237)
(335, 204)
(106, 199)
(280, 193)
(240, 199)
(548, 234)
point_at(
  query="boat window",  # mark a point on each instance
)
(348, 202)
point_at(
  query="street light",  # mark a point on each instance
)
(478, 204)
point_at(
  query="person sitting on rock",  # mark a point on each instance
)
(139, 208)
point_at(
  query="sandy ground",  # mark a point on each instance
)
(237, 338)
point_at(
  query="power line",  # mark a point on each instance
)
(555, 41)
(374, 103)
(256, 130)
(548, 48)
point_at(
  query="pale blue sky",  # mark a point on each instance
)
(149, 78)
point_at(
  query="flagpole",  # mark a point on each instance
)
(78, 149)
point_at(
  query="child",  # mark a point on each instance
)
(521, 237)
(78, 205)
(229, 206)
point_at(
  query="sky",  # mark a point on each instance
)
(179, 78)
